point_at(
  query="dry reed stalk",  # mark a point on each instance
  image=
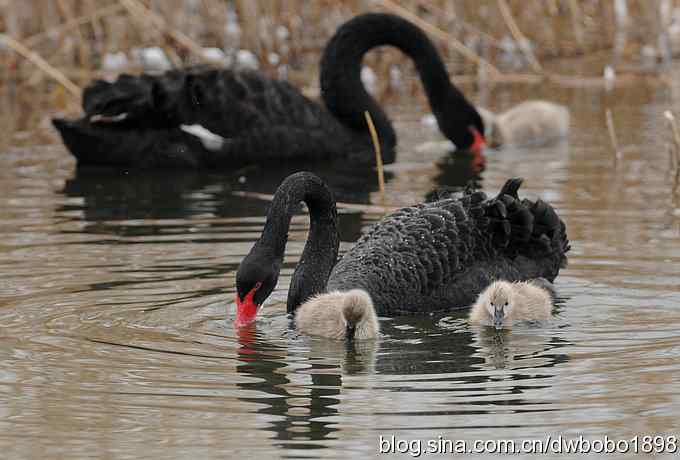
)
(676, 133)
(565, 81)
(577, 20)
(520, 39)
(249, 15)
(344, 205)
(41, 64)
(440, 35)
(141, 13)
(90, 8)
(378, 156)
(215, 14)
(439, 11)
(66, 11)
(676, 137)
(612, 136)
(569, 81)
(38, 38)
(528, 79)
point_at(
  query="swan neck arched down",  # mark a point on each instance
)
(321, 249)
(345, 95)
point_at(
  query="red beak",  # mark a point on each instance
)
(478, 142)
(246, 309)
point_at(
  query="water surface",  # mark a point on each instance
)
(116, 306)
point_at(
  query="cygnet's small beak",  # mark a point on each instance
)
(498, 317)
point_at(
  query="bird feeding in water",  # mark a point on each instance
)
(432, 257)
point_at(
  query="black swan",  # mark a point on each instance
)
(432, 257)
(224, 118)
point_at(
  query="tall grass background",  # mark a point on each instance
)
(51, 49)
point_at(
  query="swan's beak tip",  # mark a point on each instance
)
(246, 310)
(478, 143)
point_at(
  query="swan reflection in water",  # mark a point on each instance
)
(298, 381)
(104, 197)
(525, 346)
(307, 385)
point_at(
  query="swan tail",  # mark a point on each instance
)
(129, 97)
(528, 228)
(549, 235)
(511, 222)
(511, 187)
(153, 100)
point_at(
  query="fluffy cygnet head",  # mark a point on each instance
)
(356, 306)
(500, 302)
(339, 315)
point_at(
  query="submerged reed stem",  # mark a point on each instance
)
(676, 132)
(612, 136)
(675, 148)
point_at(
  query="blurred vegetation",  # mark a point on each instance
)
(45, 42)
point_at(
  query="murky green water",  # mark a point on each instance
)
(116, 306)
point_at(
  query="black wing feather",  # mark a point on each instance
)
(439, 255)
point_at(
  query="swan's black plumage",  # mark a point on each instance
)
(435, 256)
(260, 118)
(440, 255)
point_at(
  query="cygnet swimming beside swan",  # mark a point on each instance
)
(339, 315)
(530, 124)
(503, 303)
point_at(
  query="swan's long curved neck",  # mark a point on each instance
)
(321, 250)
(343, 91)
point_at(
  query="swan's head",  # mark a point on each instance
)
(478, 140)
(500, 302)
(255, 280)
(463, 125)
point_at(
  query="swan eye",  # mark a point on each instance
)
(493, 305)
(258, 285)
(506, 304)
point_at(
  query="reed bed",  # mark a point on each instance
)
(49, 50)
